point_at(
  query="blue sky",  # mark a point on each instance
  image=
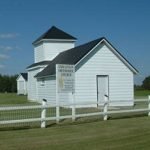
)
(125, 23)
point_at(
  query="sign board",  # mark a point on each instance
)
(65, 78)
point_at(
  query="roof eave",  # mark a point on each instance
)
(35, 67)
(38, 77)
(18, 77)
(89, 52)
(53, 40)
(123, 59)
(114, 50)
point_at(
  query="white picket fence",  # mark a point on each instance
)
(43, 109)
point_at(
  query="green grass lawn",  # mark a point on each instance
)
(141, 93)
(13, 98)
(121, 134)
(125, 132)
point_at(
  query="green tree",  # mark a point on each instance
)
(1, 83)
(14, 83)
(8, 83)
(146, 83)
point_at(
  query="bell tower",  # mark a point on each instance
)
(51, 43)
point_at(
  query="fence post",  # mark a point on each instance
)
(57, 113)
(73, 108)
(43, 114)
(105, 109)
(149, 105)
(73, 112)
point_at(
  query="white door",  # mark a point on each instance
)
(102, 87)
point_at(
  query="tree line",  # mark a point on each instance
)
(145, 84)
(8, 83)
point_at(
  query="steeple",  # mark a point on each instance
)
(51, 43)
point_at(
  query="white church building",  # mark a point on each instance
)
(99, 70)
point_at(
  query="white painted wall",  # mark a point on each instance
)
(32, 83)
(100, 62)
(47, 90)
(38, 53)
(21, 86)
(48, 50)
(103, 62)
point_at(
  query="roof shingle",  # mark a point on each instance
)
(71, 56)
(25, 76)
(55, 33)
(38, 64)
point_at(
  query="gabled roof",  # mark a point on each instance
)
(74, 55)
(25, 76)
(55, 33)
(39, 64)
(71, 56)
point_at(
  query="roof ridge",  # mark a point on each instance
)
(71, 56)
(98, 39)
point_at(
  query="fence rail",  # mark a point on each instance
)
(43, 113)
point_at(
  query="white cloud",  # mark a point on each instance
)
(6, 48)
(9, 48)
(3, 56)
(8, 35)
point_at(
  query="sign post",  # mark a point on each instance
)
(57, 99)
(65, 83)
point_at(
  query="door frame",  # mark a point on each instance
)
(97, 84)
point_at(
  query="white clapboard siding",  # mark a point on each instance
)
(65, 98)
(47, 50)
(38, 53)
(21, 86)
(32, 84)
(102, 61)
(47, 90)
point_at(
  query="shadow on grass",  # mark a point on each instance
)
(127, 116)
(67, 122)
(15, 128)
